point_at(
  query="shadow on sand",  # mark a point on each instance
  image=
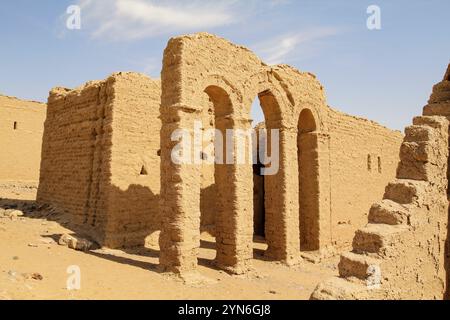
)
(134, 255)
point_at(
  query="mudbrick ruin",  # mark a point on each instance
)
(21, 124)
(344, 185)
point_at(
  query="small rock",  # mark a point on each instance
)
(75, 243)
(32, 245)
(15, 258)
(272, 292)
(33, 276)
(12, 213)
(64, 240)
(37, 276)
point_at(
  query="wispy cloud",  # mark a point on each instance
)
(285, 48)
(138, 19)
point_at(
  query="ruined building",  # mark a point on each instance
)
(100, 157)
(106, 159)
(21, 128)
(332, 165)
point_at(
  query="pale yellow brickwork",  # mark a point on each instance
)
(403, 252)
(21, 128)
(325, 193)
(100, 157)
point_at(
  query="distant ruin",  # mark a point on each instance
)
(21, 129)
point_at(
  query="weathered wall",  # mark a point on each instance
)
(403, 252)
(21, 129)
(133, 211)
(73, 165)
(97, 142)
(400, 254)
(439, 105)
(363, 158)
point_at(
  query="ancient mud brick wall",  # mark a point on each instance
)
(363, 158)
(100, 157)
(403, 252)
(133, 211)
(400, 254)
(21, 129)
(74, 130)
(439, 104)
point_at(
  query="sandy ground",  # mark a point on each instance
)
(34, 266)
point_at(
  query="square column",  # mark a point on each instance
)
(234, 221)
(281, 202)
(180, 196)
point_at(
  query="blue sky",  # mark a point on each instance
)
(385, 75)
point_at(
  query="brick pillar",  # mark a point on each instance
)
(281, 201)
(234, 221)
(324, 196)
(180, 197)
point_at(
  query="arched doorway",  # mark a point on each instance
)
(258, 124)
(308, 177)
(233, 224)
(275, 208)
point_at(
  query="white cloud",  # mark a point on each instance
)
(282, 49)
(137, 19)
(274, 3)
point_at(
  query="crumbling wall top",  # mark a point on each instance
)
(447, 74)
(5, 99)
(62, 92)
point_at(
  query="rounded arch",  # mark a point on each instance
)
(220, 98)
(288, 87)
(274, 101)
(222, 92)
(308, 179)
(307, 122)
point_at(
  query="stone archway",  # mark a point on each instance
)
(231, 76)
(281, 213)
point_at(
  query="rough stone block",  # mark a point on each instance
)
(388, 212)
(404, 191)
(357, 265)
(375, 237)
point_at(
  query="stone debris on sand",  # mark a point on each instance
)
(75, 243)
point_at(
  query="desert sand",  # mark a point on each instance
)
(34, 266)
